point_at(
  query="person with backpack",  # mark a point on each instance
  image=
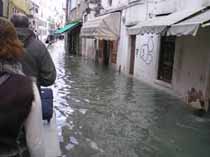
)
(36, 61)
(21, 127)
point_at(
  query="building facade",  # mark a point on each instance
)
(9, 7)
(18, 6)
(176, 61)
(34, 15)
(101, 31)
(151, 45)
(75, 12)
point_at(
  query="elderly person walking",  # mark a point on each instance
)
(36, 61)
(20, 108)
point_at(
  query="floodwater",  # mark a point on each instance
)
(101, 113)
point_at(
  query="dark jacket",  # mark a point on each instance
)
(36, 61)
(16, 95)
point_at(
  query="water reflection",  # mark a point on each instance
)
(101, 113)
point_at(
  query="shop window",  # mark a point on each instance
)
(37, 10)
(110, 2)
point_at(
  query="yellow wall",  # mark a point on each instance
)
(20, 6)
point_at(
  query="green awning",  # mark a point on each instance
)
(67, 27)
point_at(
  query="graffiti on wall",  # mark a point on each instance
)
(146, 51)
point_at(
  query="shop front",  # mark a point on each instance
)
(104, 31)
(173, 51)
(72, 30)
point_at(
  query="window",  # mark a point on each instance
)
(73, 4)
(36, 10)
(85, 18)
(110, 2)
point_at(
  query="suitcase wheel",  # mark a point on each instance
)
(48, 121)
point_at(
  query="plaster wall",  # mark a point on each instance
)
(190, 4)
(135, 14)
(123, 49)
(156, 7)
(191, 62)
(129, 17)
(115, 3)
(146, 57)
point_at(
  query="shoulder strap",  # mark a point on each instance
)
(4, 77)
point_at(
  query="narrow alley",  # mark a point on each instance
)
(101, 113)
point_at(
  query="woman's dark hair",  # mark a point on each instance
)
(20, 21)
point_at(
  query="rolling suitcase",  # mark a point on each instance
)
(47, 103)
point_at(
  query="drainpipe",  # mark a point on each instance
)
(207, 87)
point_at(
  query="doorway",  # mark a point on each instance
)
(132, 54)
(166, 59)
(106, 52)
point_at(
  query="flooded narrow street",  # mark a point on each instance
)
(101, 113)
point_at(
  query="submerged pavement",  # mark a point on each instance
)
(101, 113)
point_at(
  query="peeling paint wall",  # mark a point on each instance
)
(191, 62)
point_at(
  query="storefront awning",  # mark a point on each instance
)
(190, 26)
(159, 24)
(105, 27)
(67, 27)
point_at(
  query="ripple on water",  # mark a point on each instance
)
(101, 113)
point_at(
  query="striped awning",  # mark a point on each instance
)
(191, 25)
(68, 27)
(105, 27)
(158, 25)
